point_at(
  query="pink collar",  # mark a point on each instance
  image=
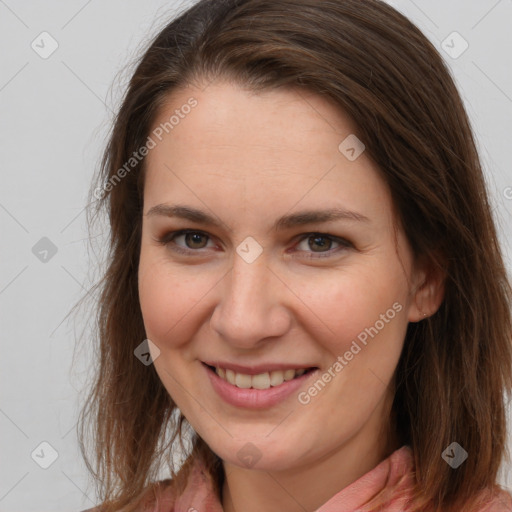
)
(397, 470)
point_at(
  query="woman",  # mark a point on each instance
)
(304, 265)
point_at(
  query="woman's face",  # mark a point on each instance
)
(291, 262)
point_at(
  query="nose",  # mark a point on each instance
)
(252, 305)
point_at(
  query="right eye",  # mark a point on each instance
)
(191, 241)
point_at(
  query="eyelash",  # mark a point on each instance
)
(169, 238)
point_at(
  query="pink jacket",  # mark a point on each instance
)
(199, 496)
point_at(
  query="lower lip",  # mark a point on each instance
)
(251, 398)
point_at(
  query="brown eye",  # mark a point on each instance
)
(322, 245)
(319, 243)
(195, 240)
(185, 241)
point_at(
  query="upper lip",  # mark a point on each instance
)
(258, 368)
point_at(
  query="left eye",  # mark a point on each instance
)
(321, 243)
(195, 240)
(192, 240)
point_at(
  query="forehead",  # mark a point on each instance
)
(267, 148)
(280, 118)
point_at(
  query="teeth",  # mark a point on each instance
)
(289, 374)
(260, 381)
(242, 381)
(230, 376)
(276, 378)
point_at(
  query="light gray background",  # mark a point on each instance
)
(54, 114)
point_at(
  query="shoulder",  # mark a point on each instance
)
(495, 500)
(157, 497)
(502, 502)
(195, 492)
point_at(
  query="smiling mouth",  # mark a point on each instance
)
(263, 380)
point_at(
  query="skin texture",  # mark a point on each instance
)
(248, 159)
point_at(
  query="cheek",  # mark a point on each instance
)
(342, 306)
(167, 299)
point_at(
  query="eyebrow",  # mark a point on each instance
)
(284, 222)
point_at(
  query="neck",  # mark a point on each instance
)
(305, 488)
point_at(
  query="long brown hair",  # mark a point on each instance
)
(378, 67)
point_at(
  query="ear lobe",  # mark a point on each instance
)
(429, 295)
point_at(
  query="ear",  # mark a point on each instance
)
(427, 291)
